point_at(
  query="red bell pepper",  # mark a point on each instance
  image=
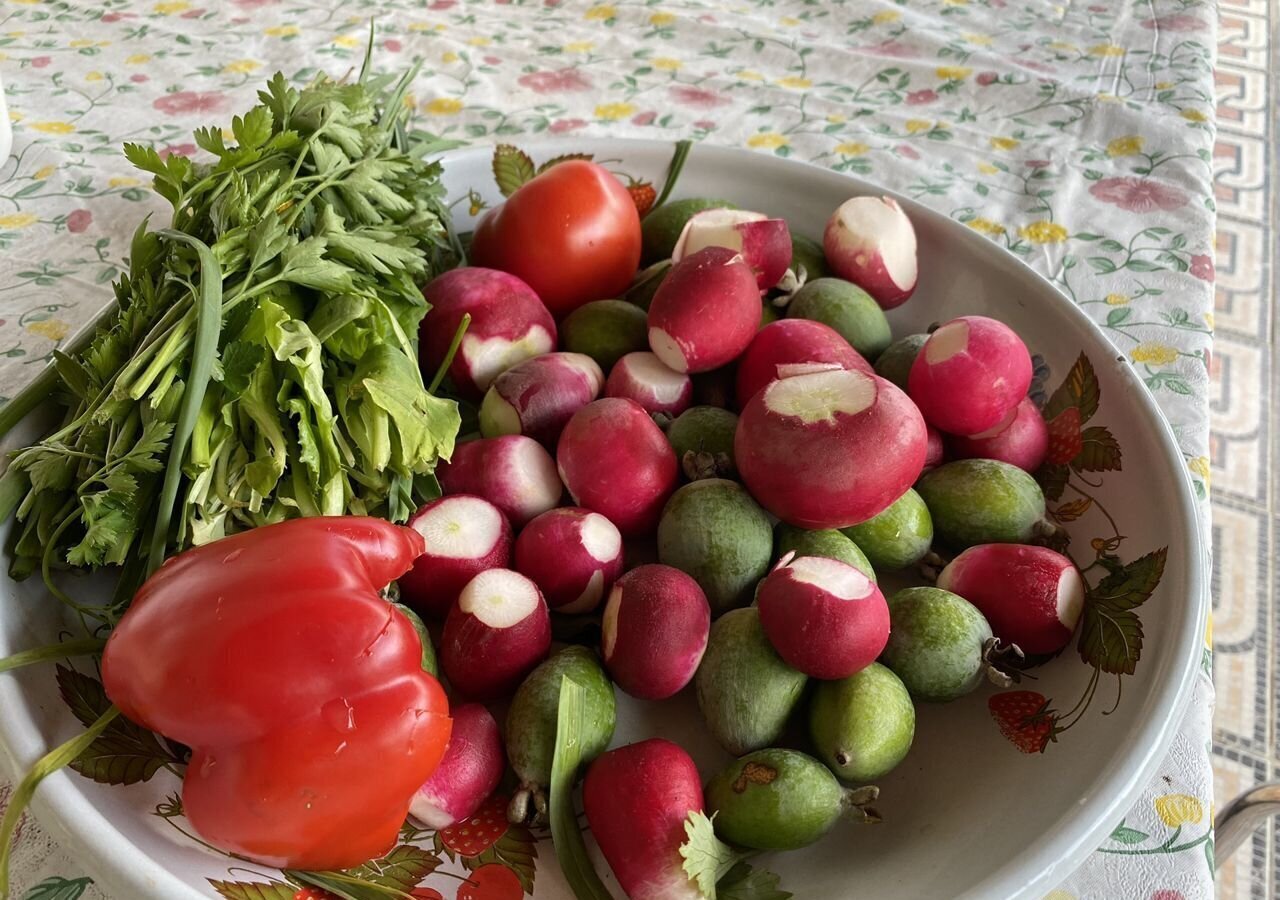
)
(299, 689)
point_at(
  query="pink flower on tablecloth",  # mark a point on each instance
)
(1035, 66)
(239, 20)
(440, 5)
(492, 60)
(1098, 9)
(894, 48)
(551, 4)
(1038, 164)
(108, 18)
(1140, 195)
(176, 150)
(184, 102)
(39, 62)
(918, 98)
(78, 220)
(644, 118)
(705, 124)
(908, 151)
(695, 96)
(1202, 267)
(563, 126)
(1173, 23)
(199, 11)
(1168, 895)
(707, 19)
(561, 81)
(254, 4)
(393, 45)
(987, 78)
(998, 4)
(139, 78)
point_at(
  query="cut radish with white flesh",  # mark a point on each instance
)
(1032, 596)
(514, 473)
(829, 449)
(617, 462)
(637, 799)
(655, 631)
(537, 397)
(824, 617)
(470, 771)
(1021, 439)
(780, 347)
(465, 535)
(496, 633)
(706, 311)
(573, 555)
(870, 241)
(644, 378)
(765, 244)
(971, 373)
(508, 324)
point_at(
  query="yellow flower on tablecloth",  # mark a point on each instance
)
(94, 76)
(749, 75)
(795, 81)
(1043, 232)
(666, 63)
(1154, 353)
(1004, 143)
(80, 42)
(954, 73)
(1194, 115)
(611, 112)
(769, 140)
(26, 2)
(578, 47)
(955, 2)
(662, 18)
(449, 57)
(1106, 50)
(1108, 98)
(44, 172)
(986, 226)
(1208, 320)
(1117, 299)
(1208, 642)
(978, 40)
(242, 66)
(1163, 85)
(1059, 894)
(122, 181)
(53, 329)
(479, 41)
(444, 106)
(420, 26)
(281, 31)
(52, 127)
(137, 59)
(1200, 465)
(346, 40)
(1063, 45)
(915, 126)
(1128, 145)
(789, 21)
(14, 34)
(228, 134)
(102, 43)
(601, 12)
(18, 220)
(987, 169)
(836, 119)
(170, 7)
(1179, 809)
(16, 115)
(886, 16)
(852, 148)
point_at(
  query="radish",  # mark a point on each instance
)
(470, 771)
(514, 473)
(971, 373)
(870, 241)
(465, 535)
(846, 308)
(935, 450)
(765, 244)
(1032, 596)
(573, 556)
(642, 377)
(496, 633)
(1020, 439)
(654, 631)
(637, 799)
(792, 343)
(829, 449)
(508, 324)
(537, 397)
(706, 311)
(617, 462)
(823, 616)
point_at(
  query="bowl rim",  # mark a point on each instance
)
(59, 805)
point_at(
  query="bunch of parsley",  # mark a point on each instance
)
(260, 361)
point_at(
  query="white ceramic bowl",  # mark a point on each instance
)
(966, 815)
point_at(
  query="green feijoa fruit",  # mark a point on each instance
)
(714, 531)
(982, 501)
(534, 713)
(702, 437)
(862, 725)
(848, 309)
(776, 800)
(606, 331)
(829, 543)
(937, 643)
(894, 364)
(661, 228)
(898, 537)
(808, 253)
(745, 691)
(646, 284)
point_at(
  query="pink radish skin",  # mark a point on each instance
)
(496, 633)
(765, 244)
(637, 799)
(573, 555)
(644, 378)
(470, 771)
(792, 342)
(617, 462)
(705, 312)
(1032, 596)
(514, 473)
(508, 324)
(465, 535)
(824, 617)
(537, 397)
(829, 449)
(1021, 440)
(655, 631)
(870, 241)
(935, 450)
(970, 374)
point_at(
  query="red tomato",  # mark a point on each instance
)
(572, 234)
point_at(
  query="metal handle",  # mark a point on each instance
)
(1242, 817)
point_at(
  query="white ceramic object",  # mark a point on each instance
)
(966, 815)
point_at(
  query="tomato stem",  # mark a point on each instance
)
(673, 172)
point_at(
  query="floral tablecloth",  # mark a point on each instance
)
(1077, 136)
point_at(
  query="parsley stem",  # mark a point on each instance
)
(64, 650)
(450, 353)
(566, 836)
(678, 160)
